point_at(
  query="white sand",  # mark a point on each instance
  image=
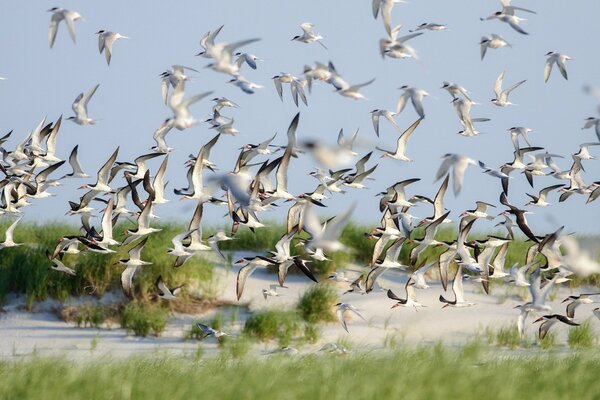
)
(41, 332)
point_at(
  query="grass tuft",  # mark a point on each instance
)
(582, 336)
(142, 320)
(316, 304)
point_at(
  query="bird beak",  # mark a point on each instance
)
(395, 305)
(538, 320)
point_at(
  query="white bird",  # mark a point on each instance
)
(518, 274)
(501, 99)
(80, 108)
(559, 60)
(456, 91)
(209, 331)
(493, 42)
(377, 114)
(400, 152)
(459, 164)
(396, 47)
(271, 291)
(418, 277)
(593, 122)
(459, 293)
(353, 91)
(9, 239)
(106, 39)
(384, 8)
(430, 26)
(58, 265)
(411, 297)
(416, 98)
(244, 84)
(308, 35)
(182, 117)
(342, 310)
(133, 262)
(59, 14)
(164, 292)
(584, 153)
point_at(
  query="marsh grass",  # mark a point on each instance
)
(26, 270)
(582, 336)
(505, 336)
(422, 373)
(265, 325)
(143, 320)
(316, 304)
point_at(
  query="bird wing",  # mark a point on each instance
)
(498, 85)
(548, 68)
(243, 274)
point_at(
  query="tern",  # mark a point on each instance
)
(342, 310)
(164, 292)
(244, 84)
(456, 91)
(416, 98)
(559, 60)
(133, 262)
(430, 27)
(58, 265)
(593, 122)
(60, 14)
(459, 164)
(492, 42)
(80, 108)
(384, 8)
(208, 331)
(308, 35)
(501, 99)
(271, 292)
(459, 294)
(9, 239)
(377, 114)
(106, 39)
(540, 199)
(353, 91)
(399, 153)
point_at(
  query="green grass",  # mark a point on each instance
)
(283, 325)
(143, 320)
(26, 270)
(316, 304)
(422, 373)
(505, 336)
(582, 336)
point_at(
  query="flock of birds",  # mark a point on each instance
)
(248, 189)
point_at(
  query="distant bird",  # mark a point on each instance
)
(411, 297)
(58, 15)
(430, 27)
(80, 108)
(377, 114)
(9, 239)
(415, 96)
(458, 163)
(400, 152)
(209, 331)
(308, 35)
(593, 122)
(106, 40)
(271, 291)
(540, 199)
(559, 60)
(164, 292)
(549, 321)
(459, 294)
(342, 310)
(58, 265)
(492, 42)
(576, 301)
(353, 91)
(133, 263)
(501, 99)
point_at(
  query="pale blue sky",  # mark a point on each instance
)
(43, 82)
